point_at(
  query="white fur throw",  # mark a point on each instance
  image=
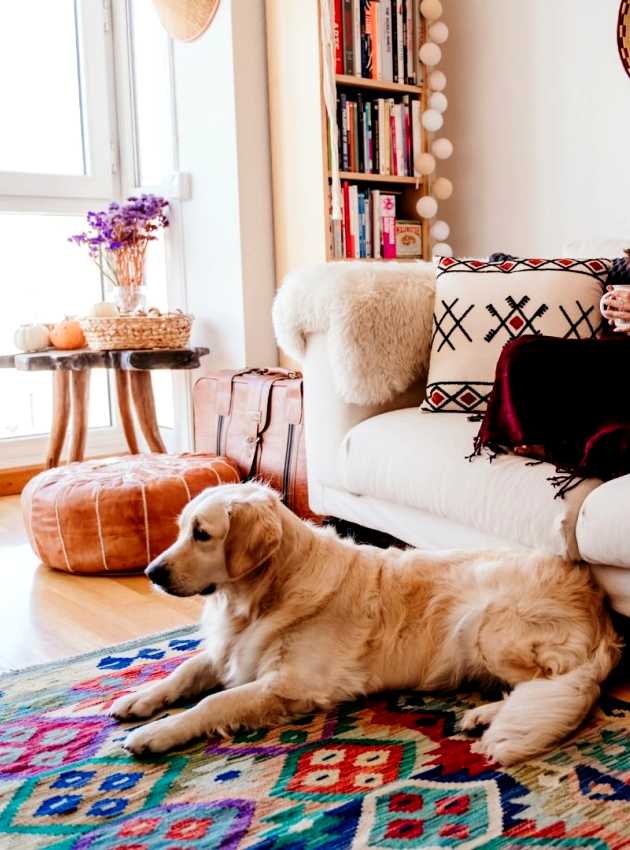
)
(377, 317)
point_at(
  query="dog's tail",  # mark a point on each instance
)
(540, 713)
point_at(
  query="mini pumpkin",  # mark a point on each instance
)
(103, 310)
(32, 338)
(67, 335)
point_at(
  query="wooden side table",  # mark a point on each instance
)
(71, 390)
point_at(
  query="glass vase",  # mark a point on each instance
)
(128, 299)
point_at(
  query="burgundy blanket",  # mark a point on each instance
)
(571, 396)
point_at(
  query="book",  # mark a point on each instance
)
(393, 4)
(372, 27)
(416, 132)
(361, 133)
(399, 43)
(376, 224)
(408, 238)
(346, 220)
(368, 12)
(348, 37)
(354, 221)
(385, 34)
(406, 132)
(411, 40)
(343, 111)
(362, 227)
(388, 226)
(356, 37)
(338, 25)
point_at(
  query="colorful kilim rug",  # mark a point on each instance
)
(386, 772)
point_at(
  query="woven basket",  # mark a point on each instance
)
(171, 330)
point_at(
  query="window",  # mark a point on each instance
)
(82, 126)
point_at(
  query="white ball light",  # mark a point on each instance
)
(424, 163)
(442, 249)
(427, 206)
(432, 120)
(431, 9)
(442, 189)
(440, 231)
(442, 148)
(437, 80)
(430, 54)
(438, 32)
(438, 101)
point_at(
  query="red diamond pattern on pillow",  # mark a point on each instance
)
(480, 306)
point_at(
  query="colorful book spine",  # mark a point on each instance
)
(386, 41)
(388, 226)
(399, 43)
(360, 134)
(411, 29)
(406, 130)
(348, 37)
(377, 251)
(373, 33)
(356, 36)
(416, 131)
(338, 24)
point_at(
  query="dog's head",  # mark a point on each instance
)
(225, 533)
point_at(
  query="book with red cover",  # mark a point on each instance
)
(338, 24)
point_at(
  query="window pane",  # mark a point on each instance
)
(45, 278)
(152, 94)
(157, 296)
(41, 101)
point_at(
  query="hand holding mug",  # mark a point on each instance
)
(615, 306)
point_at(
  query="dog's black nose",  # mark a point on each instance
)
(158, 573)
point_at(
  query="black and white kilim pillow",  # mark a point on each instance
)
(479, 306)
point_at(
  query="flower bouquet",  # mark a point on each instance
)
(117, 241)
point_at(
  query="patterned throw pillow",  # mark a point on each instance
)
(479, 306)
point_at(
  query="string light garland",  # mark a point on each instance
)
(432, 119)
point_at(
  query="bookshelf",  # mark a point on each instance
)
(300, 139)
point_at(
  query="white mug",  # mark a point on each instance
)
(619, 323)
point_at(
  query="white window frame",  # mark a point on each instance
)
(175, 187)
(94, 22)
(109, 120)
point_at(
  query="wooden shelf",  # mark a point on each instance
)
(377, 85)
(379, 178)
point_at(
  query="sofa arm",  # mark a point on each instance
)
(328, 418)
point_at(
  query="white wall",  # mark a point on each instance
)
(221, 93)
(539, 112)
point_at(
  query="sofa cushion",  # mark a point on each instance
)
(420, 460)
(479, 306)
(603, 526)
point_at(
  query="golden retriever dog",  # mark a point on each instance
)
(298, 619)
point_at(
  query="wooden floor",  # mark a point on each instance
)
(46, 614)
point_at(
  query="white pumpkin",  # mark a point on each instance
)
(103, 310)
(32, 338)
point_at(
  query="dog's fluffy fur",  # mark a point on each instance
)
(302, 620)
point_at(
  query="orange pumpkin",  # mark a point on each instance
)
(67, 335)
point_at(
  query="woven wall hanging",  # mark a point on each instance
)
(186, 20)
(623, 34)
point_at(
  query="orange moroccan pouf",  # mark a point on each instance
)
(116, 514)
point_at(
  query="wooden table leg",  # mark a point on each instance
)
(80, 392)
(124, 408)
(61, 416)
(144, 402)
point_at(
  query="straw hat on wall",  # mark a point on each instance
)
(186, 20)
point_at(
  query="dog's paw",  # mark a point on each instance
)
(501, 748)
(157, 737)
(138, 705)
(483, 715)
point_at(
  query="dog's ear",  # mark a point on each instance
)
(254, 535)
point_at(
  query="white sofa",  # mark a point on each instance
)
(391, 468)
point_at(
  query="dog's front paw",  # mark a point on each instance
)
(501, 748)
(156, 737)
(137, 705)
(483, 715)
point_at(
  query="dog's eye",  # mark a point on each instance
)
(200, 534)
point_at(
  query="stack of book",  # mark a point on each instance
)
(375, 39)
(369, 228)
(378, 136)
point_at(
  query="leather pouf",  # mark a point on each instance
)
(115, 514)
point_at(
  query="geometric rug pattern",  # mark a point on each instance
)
(385, 772)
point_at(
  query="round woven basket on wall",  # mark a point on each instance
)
(115, 515)
(186, 20)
